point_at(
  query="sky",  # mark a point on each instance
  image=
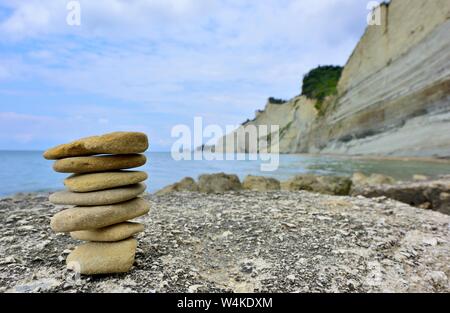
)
(148, 65)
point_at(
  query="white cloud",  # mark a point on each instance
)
(216, 58)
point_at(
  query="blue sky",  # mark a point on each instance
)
(147, 65)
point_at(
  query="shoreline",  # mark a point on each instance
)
(445, 160)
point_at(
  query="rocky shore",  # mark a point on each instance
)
(242, 241)
(421, 191)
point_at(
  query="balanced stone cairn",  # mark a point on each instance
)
(102, 197)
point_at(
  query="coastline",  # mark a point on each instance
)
(377, 157)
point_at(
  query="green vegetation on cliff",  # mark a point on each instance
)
(273, 100)
(320, 83)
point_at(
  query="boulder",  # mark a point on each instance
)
(431, 194)
(186, 184)
(260, 183)
(359, 178)
(419, 177)
(218, 183)
(332, 185)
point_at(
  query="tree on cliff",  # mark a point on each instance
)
(321, 82)
(276, 101)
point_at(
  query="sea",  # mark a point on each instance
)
(28, 171)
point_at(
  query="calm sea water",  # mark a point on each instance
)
(29, 172)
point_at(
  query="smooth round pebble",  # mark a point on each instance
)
(103, 257)
(102, 197)
(93, 217)
(112, 143)
(103, 163)
(102, 181)
(110, 233)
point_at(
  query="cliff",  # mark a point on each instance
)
(393, 96)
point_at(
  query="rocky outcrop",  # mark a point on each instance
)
(359, 178)
(218, 183)
(260, 183)
(186, 184)
(422, 192)
(331, 185)
(393, 96)
(432, 195)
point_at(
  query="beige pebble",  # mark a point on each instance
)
(102, 181)
(113, 143)
(92, 164)
(110, 233)
(103, 257)
(93, 217)
(102, 197)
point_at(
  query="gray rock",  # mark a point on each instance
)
(260, 183)
(418, 177)
(245, 242)
(320, 184)
(218, 183)
(186, 184)
(427, 194)
(359, 178)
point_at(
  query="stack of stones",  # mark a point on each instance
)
(103, 197)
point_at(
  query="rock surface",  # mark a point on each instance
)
(113, 143)
(260, 183)
(93, 217)
(359, 178)
(218, 183)
(103, 257)
(430, 194)
(103, 163)
(186, 184)
(102, 197)
(247, 241)
(419, 177)
(110, 233)
(102, 181)
(321, 184)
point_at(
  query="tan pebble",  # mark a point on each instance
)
(102, 197)
(103, 257)
(112, 143)
(92, 164)
(93, 217)
(110, 233)
(102, 181)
